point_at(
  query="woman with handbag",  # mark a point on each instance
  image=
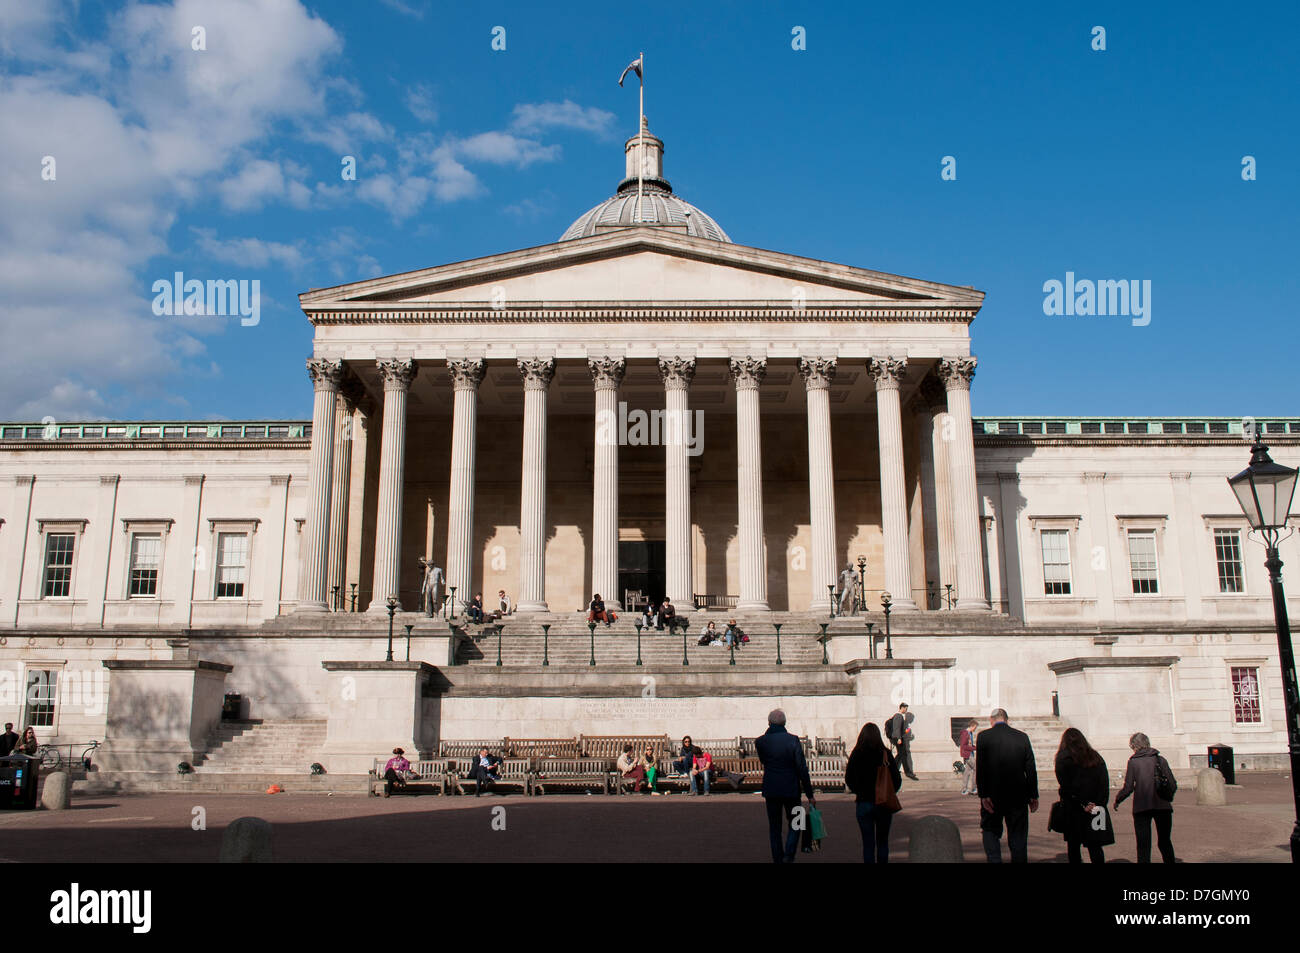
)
(1080, 815)
(1152, 785)
(874, 778)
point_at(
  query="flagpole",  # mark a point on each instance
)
(640, 140)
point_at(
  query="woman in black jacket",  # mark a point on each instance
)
(1148, 805)
(1085, 787)
(874, 818)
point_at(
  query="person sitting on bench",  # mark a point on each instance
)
(395, 772)
(487, 771)
(683, 764)
(631, 768)
(701, 769)
(598, 613)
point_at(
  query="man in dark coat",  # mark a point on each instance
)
(899, 730)
(8, 740)
(785, 774)
(1008, 786)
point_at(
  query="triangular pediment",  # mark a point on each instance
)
(643, 264)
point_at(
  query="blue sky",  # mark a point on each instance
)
(1122, 164)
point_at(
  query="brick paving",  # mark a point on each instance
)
(1254, 827)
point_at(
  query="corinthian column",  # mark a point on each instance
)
(749, 373)
(349, 396)
(537, 374)
(817, 375)
(606, 374)
(888, 374)
(325, 376)
(956, 375)
(677, 373)
(466, 373)
(398, 374)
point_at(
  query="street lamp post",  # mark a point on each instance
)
(499, 628)
(871, 639)
(886, 601)
(392, 608)
(639, 626)
(777, 626)
(354, 596)
(335, 590)
(825, 658)
(1265, 490)
(453, 602)
(546, 644)
(685, 658)
(861, 594)
(591, 628)
(408, 641)
(830, 591)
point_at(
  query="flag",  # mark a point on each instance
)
(634, 67)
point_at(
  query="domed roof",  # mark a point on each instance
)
(645, 201)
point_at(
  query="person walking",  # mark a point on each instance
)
(1152, 785)
(1080, 815)
(899, 730)
(875, 808)
(785, 774)
(967, 745)
(1008, 787)
(8, 740)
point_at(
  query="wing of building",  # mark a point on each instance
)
(643, 409)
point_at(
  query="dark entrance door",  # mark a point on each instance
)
(641, 567)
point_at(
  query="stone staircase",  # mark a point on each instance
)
(263, 748)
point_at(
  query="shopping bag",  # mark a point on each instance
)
(816, 826)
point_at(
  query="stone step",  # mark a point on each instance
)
(138, 782)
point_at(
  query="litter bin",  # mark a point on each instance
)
(232, 706)
(1220, 757)
(18, 777)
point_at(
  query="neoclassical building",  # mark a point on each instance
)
(641, 409)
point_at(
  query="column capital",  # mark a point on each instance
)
(536, 372)
(817, 372)
(887, 372)
(466, 372)
(607, 372)
(677, 372)
(325, 374)
(748, 371)
(956, 372)
(397, 372)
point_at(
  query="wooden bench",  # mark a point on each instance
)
(539, 748)
(515, 772)
(708, 601)
(469, 749)
(581, 773)
(431, 774)
(827, 771)
(748, 750)
(611, 746)
(831, 746)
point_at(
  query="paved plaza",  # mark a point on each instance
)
(676, 828)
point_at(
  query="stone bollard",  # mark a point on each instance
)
(246, 841)
(934, 840)
(1211, 789)
(56, 795)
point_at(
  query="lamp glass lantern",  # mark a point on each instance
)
(1264, 489)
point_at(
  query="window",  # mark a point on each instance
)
(41, 685)
(1227, 553)
(1245, 695)
(1142, 561)
(232, 564)
(1056, 561)
(146, 554)
(58, 565)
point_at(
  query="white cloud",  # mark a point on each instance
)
(419, 100)
(404, 8)
(503, 148)
(249, 252)
(535, 117)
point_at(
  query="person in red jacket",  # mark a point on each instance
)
(967, 744)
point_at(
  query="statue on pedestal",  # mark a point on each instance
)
(433, 587)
